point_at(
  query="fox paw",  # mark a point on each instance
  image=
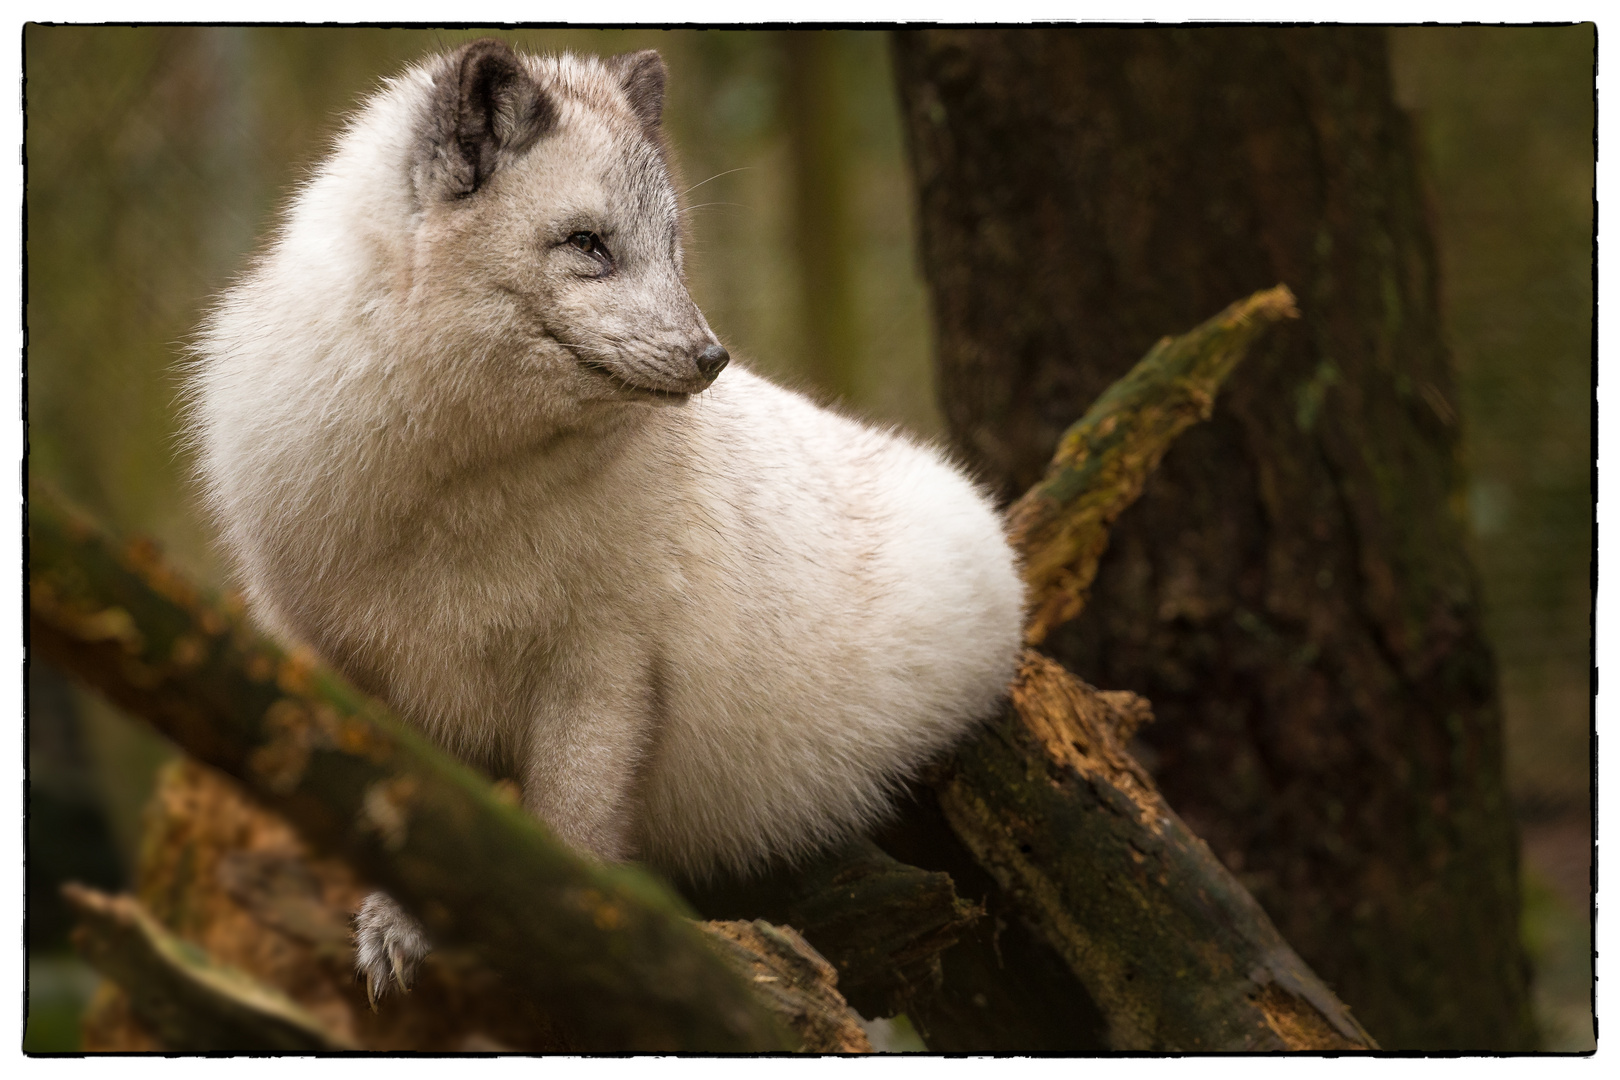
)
(388, 945)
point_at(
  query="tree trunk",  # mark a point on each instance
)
(1292, 591)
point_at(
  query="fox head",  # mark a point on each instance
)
(544, 216)
(489, 259)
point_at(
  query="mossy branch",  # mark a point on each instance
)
(611, 950)
(1060, 525)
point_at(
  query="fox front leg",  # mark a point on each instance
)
(583, 752)
(389, 946)
(578, 779)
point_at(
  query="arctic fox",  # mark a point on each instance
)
(466, 434)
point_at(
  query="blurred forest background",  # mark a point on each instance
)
(156, 158)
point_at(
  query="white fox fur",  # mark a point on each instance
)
(459, 436)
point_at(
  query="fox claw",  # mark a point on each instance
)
(396, 957)
(389, 945)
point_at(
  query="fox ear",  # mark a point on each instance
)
(642, 76)
(489, 109)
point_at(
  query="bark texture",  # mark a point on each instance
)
(1172, 948)
(1292, 591)
(797, 983)
(881, 923)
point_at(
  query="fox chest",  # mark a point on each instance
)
(525, 582)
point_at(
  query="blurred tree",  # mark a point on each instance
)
(1292, 592)
(819, 136)
(1507, 117)
(1507, 114)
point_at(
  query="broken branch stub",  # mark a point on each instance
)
(1060, 526)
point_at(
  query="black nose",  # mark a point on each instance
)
(711, 360)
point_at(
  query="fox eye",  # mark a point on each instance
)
(591, 244)
(588, 242)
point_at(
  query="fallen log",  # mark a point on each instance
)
(218, 870)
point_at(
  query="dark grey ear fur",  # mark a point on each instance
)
(487, 110)
(642, 74)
